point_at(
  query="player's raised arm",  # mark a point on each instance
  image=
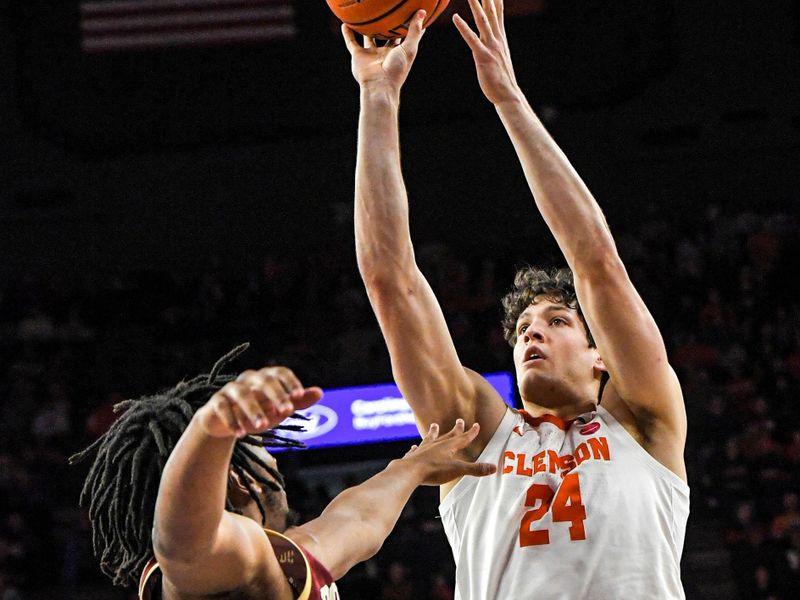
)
(353, 527)
(424, 360)
(627, 337)
(201, 548)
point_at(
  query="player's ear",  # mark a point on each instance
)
(599, 367)
(237, 491)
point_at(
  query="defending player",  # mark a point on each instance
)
(216, 526)
(590, 498)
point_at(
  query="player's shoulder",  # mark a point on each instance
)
(307, 576)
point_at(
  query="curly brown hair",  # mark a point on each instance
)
(556, 285)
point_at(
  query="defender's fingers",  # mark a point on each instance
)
(276, 398)
(308, 397)
(252, 403)
(458, 429)
(270, 389)
(241, 420)
(246, 375)
(477, 469)
(286, 376)
(470, 37)
(224, 412)
(433, 433)
(465, 439)
(228, 406)
(253, 400)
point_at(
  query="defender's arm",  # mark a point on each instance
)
(355, 524)
(201, 548)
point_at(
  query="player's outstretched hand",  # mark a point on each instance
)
(490, 50)
(385, 65)
(254, 402)
(436, 458)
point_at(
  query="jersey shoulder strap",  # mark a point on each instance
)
(294, 563)
(147, 581)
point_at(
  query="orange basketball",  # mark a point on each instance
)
(384, 19)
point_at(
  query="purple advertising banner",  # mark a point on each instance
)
(370, 413)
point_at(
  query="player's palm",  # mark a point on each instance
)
(389, 64)
(437, 458)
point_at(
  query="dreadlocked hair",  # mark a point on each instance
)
(122, 484)
(556, 285)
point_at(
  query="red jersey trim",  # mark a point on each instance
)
(552, 419)
(285, 559)
(150, 568)
(305, 593)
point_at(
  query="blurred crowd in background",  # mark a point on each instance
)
(722, 286)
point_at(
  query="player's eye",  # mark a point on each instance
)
(522, 329)
(558, 321)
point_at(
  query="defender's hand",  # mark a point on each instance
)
(389, 64)
(435, 457)
(490, 51)
(254, 402)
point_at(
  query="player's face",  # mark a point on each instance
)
(274, 501)
(554, 362)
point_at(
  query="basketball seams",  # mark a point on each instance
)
(362, 15)
(376, 19)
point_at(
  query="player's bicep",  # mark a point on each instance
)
(241, 552)
(629, 341)
(425, 363)
(339, 540)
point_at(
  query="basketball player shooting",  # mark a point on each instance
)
(184, 497)
(590, 498)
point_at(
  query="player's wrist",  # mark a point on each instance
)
(408, 468)
(207, 424)
(512, 100)
(380, 91)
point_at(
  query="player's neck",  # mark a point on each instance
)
(566, 412)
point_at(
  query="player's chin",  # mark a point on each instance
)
(528, 380)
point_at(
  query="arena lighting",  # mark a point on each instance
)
(370, 414)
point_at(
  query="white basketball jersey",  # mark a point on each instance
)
(577, 509)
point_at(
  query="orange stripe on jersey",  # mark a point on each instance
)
(552, 419)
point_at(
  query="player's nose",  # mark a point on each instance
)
(533, 333)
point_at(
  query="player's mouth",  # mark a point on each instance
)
(533, 355)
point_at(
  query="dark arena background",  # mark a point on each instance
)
(164, 197)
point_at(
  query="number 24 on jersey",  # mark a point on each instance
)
(566, 506)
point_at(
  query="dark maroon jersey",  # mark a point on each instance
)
(308, 577)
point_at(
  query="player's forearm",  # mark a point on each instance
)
(566, 204)
(373, 507)
(191, 496)
(383, 242)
